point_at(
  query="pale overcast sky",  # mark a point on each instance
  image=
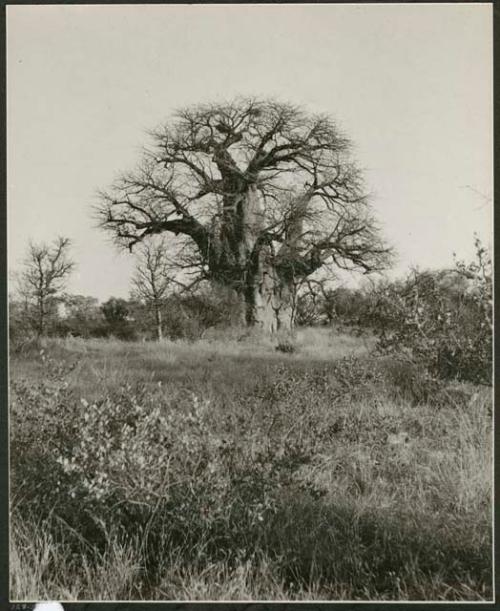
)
(410, 84)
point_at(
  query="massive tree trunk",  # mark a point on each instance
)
(269, 295)
(243, 258)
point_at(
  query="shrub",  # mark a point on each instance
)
(147, 462)
(287, 347)
(443, 320)
(189, 316)
(155, 462)
(411, 381)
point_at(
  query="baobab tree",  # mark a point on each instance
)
(46, 270)
(152, 280)
(259, 194)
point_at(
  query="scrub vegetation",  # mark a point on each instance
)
(221, 469)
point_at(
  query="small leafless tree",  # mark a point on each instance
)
(152, 280)
(46, 270)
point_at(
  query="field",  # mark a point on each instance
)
(224, 469)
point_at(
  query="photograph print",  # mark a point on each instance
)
(250, 302)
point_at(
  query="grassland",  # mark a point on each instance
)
(226, 470)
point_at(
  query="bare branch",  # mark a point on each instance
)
(46, 269)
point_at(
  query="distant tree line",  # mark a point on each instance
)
(157, 306)
(183, 317)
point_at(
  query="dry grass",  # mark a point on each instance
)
(366, 494)
(41, 568)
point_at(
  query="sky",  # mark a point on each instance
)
(410, 84)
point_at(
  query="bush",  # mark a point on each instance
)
(147, 462)
(189, 316)
(442, 321)
(155, 463)
(286, 347)
(410, 381)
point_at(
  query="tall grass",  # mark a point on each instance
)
(178, 471)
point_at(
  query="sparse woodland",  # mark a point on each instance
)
(244, 427)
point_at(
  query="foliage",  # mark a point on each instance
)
(116, 313)
(189, 315)
(115, 310)
(80, 316)
(20, 327)
(323, 303)
(443, 320)
(183, 316)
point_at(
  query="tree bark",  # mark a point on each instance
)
(41, 317)
(243, 258)
(158, 319)
(269, 298)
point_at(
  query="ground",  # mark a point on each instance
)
(225, 469)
